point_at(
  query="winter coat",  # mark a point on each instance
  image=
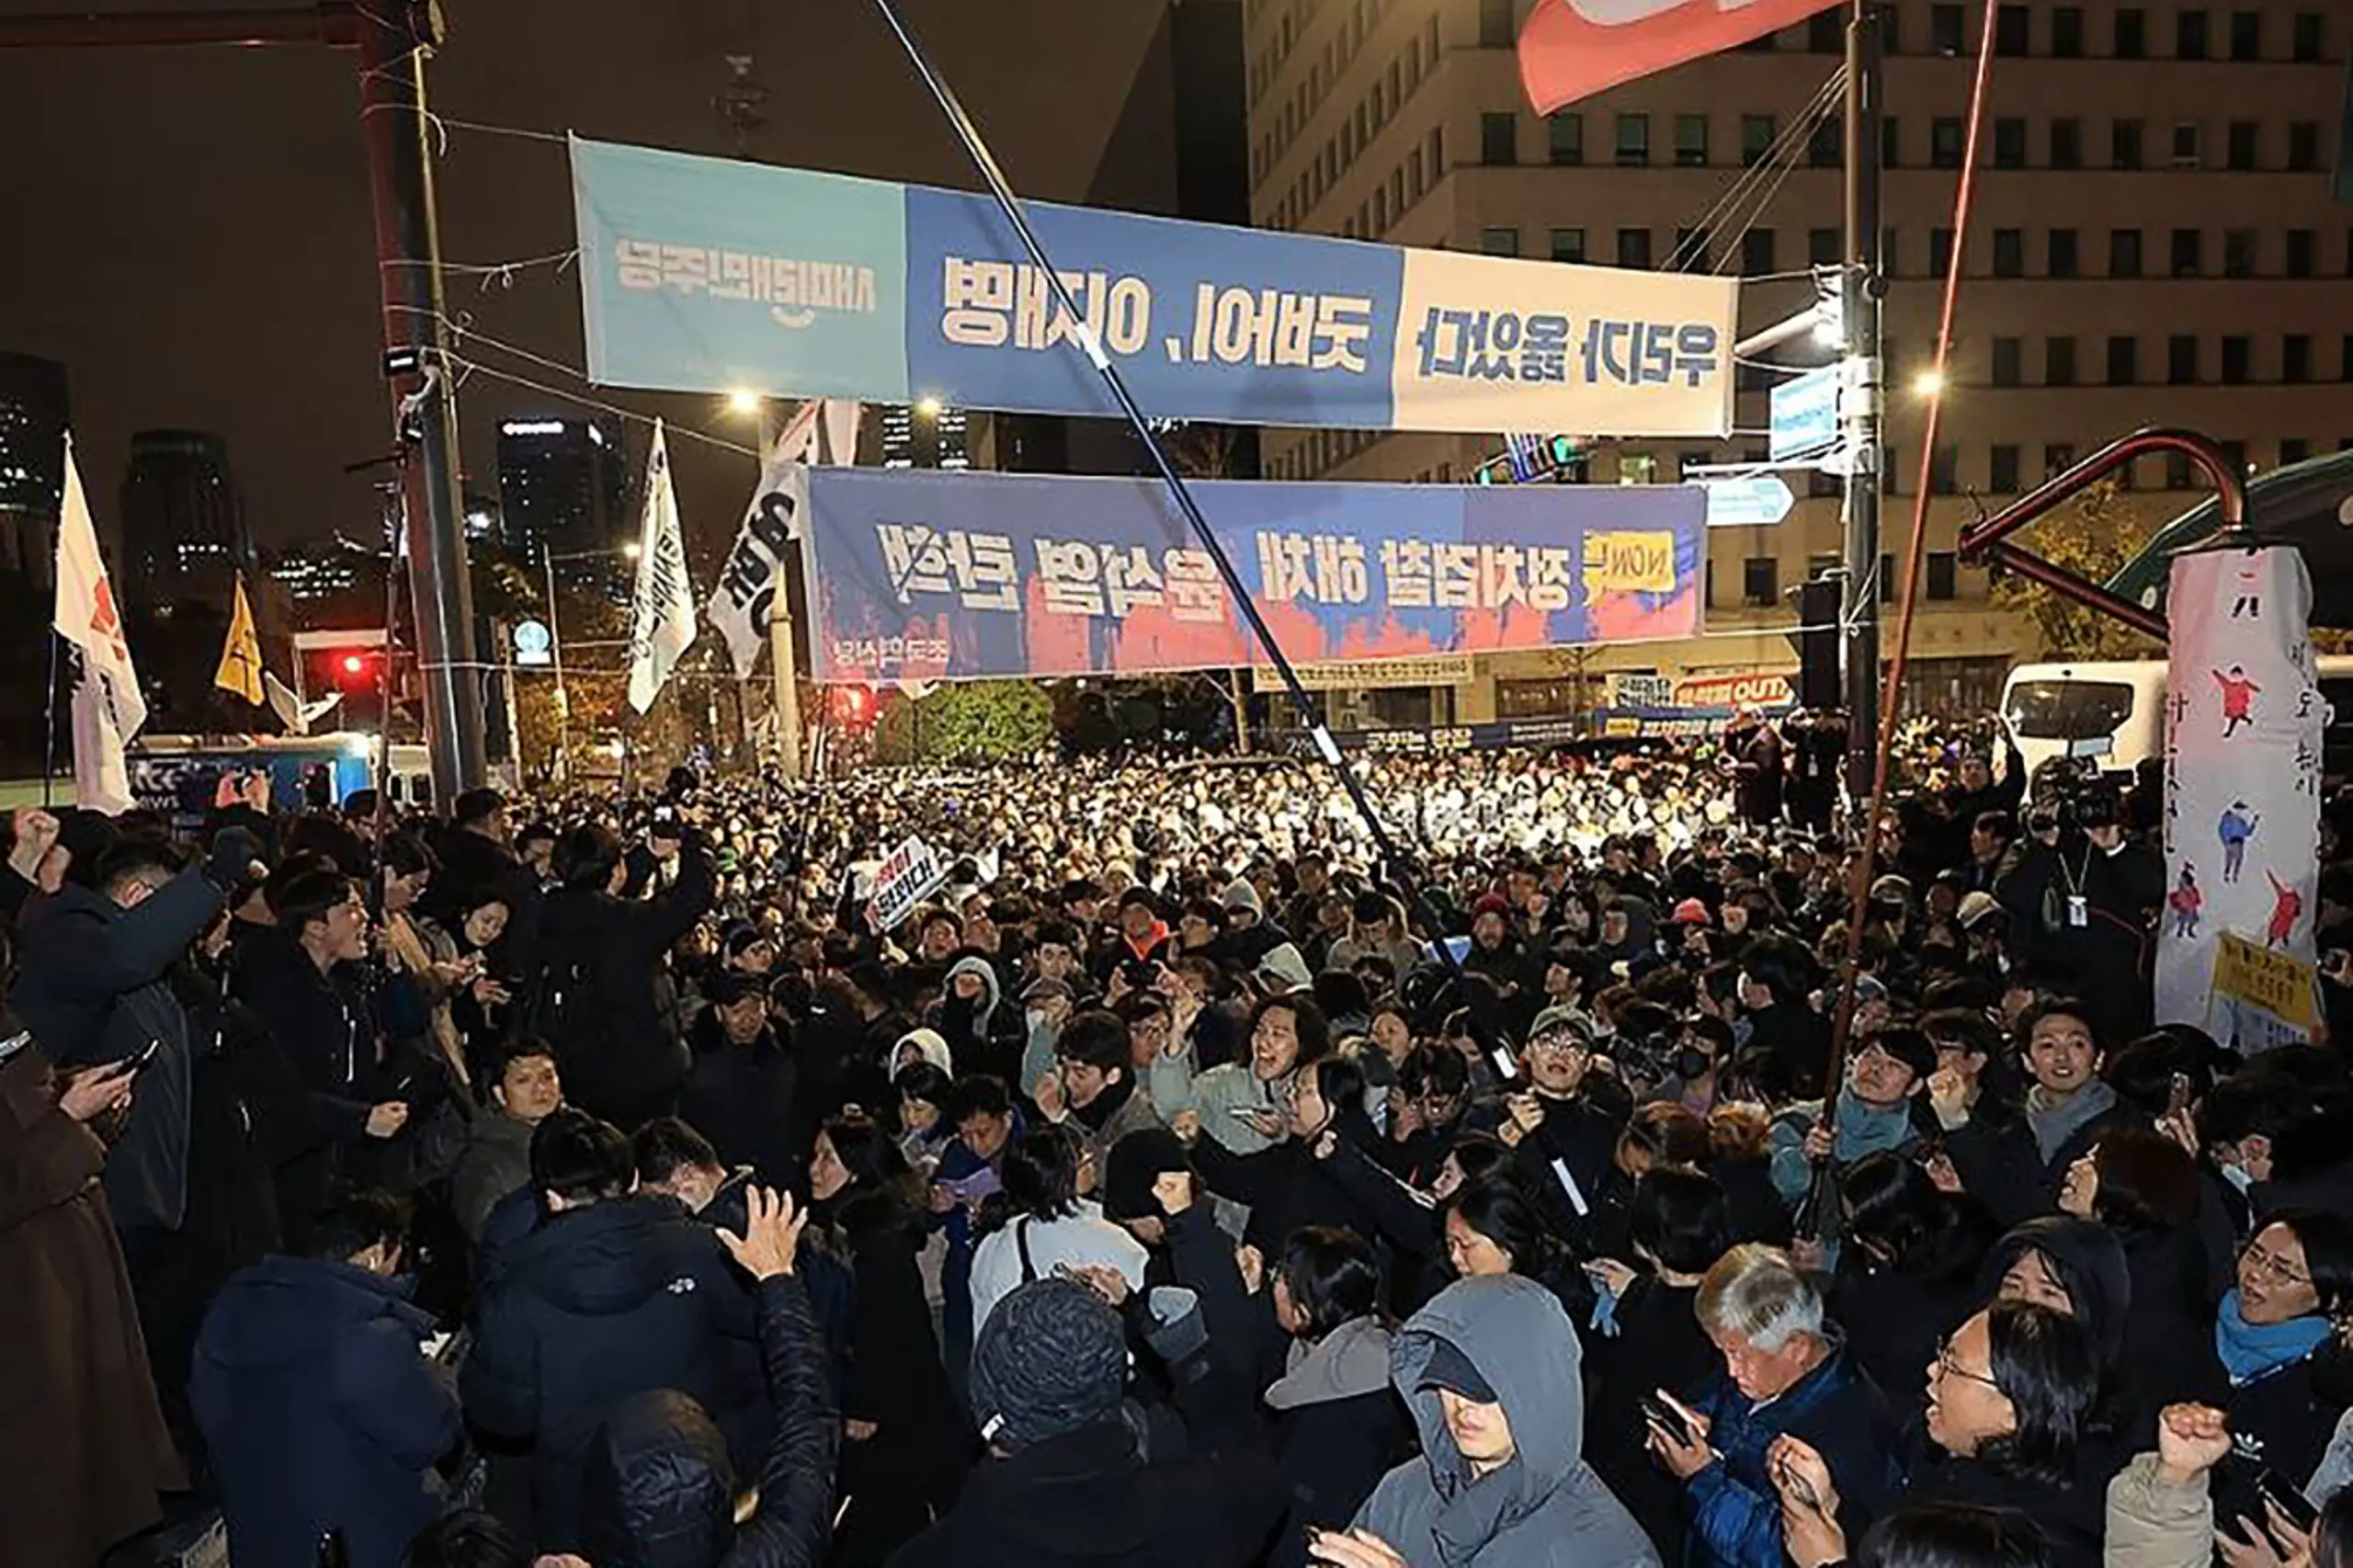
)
(1337, 1430)
(1285, 1187)
(592, 1306)
(662, 1492)
(1735, 1510)
(2151, 1523)
(744, 1098)
(602, 995)
(1545, 1509)
(2001, 1165)
(320, 1412)
(1025, 1248)
(82, 1447)
(497, 1161)
(92, 981)
(1659, 1345)
(2070, 1515)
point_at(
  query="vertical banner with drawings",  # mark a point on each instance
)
(2244, 716)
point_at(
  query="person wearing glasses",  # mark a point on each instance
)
(2290, 1376)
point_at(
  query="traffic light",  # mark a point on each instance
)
(853, 706)
(1816, 642)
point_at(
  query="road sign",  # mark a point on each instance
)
(1754, 502)
(533, 644)
(1805, 415)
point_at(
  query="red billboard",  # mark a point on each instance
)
(1573, 48)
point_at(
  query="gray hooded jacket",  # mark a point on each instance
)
(1544, 1510)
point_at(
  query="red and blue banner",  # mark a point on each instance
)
(919, 576)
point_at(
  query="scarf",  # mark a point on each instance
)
(2249, 1350)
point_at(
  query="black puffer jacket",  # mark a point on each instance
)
(661, 1492)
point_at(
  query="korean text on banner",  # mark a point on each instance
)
(1573, 48)
(2243, 768)
(108, 708)
(662, 618)
(706, 274)
(912, 873)
(951, 576)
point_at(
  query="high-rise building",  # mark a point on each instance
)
(563, 485)
(2155, 243)
(927, 433)
(183, 528)
(34, 416)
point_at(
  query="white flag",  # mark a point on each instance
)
(662, 623)
(842, 416)
(739, 605)
(108, 707)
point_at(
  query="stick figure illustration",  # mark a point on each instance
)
(2287, 903)
(2235, 829)
(2186, 900)
(2238, 698)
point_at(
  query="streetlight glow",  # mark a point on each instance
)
(632, 550)
(1928, 383)
(928, 407)
(744, 401)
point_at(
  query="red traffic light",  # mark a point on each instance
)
(355, 664)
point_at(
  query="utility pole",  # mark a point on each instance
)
(1862, 402)
(392, 39)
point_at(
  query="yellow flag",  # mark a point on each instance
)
(240, 668)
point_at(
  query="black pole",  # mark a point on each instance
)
(1864, 399)
(985, 161)
(393, 42)
(49, 751)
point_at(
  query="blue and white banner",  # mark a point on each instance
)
(714, 275)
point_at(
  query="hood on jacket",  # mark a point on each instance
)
(285, 1309)
(990, 992)
(2088, 1259)
(660, 1491)
(1352, 1359)
(930, 1043)
(1506, 1325)
(606, 1259)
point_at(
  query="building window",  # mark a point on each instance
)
(1890, 471)
(2239, 150)
(1634, 247)
(2294, 450)
(2307, 48)
(2303, 252)
(1499, 139)
(2059, 363)
(1757, 253)
(2065, 256)
(2009, 360)
(1886, 577)
(1944, 575)
(1568, 244)
(1947, 30)
(2296, 358)
(1890, 143)
(1758, 134)
(2066, 143)
(1695, 251)
(2238, 253)
(1826, 144)
(2010, 143)
(1495, 24)
(2304, 146)
(2057, 459)
(2124, 361)
(1760, 581)
(2181, 361)
(1690, 141)
(1822, 247)
(2067, 32)
(2188, 253)
(2185, 145)
(1940, 252)
(2124, 253)
(1944, 470)
(2238, 357)
(1633, 141)
(2189, 40)
(2010, 30)
(1499, 242)
(2180, 474)
(1826, 32)
(2001, 473)
(1566, 131)
(1436, 153)
(2132, 34)
(2124, 144)
(2234, 456)
(2344, 361)
(1946, 141)
(1888, 252)
(2009, 253)
(2247, 35)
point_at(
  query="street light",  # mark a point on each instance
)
(1927, 384)
(630, 550)
(743, 402)
(928, 407)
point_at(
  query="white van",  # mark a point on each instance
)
(2115, 712)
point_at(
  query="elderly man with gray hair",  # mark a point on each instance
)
(1786, 1374)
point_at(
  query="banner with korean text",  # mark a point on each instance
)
(716, 274)
(923, 575)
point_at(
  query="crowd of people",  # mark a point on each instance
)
(1184, 1181)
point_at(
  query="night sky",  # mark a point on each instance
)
(188, 229)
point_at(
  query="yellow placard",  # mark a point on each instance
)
(1628, 563)
(2264, 978)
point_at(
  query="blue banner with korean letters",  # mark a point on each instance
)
(714, 274)
(927, 575)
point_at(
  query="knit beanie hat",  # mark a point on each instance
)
(1051, 1358)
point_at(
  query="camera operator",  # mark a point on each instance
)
(2082, 895)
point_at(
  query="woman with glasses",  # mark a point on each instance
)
(2290, 1377)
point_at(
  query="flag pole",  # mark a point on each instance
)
(49, 748)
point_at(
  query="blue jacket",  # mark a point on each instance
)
(1736, 1511)
(319, 1411)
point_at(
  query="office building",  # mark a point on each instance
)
(563, 485)
(2155, 244)
(184, 529)
(927, 433)
(34, 416)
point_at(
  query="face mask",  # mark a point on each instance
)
(2236, 1175)
(1036, 1018)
